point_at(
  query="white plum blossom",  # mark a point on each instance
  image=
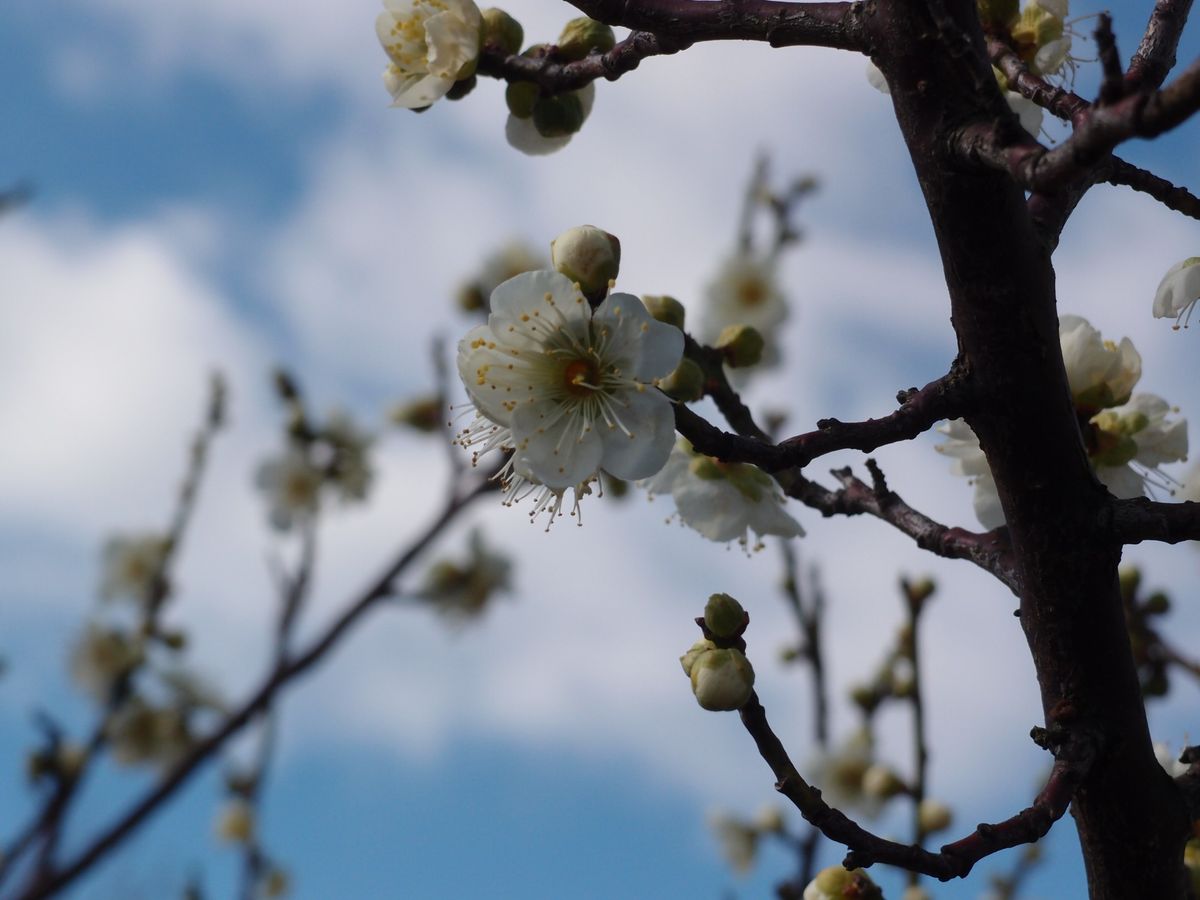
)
(1169, 760)
(745, 291)
(569, 390)
(522, 133)
(840, 774)
(738, 840)
(723, 501)
(349, 469)
(430, 44)
(1178, 292)
(140, 733)
(1127, 436)
(101, 657)
(462, 591)
(292, 487)
(132, 565)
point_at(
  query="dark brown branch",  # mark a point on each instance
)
(1097, 133)
(1140, 519)
(990, 550)
(1155, 57)
(944, 398)
(1169, 195)
(1112, 84)
(1056, 100)
(1074, 755)
(552, 75)
(837, 25)
(1051, 213)
(280, 677)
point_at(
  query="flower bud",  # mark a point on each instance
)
(722, 680)
(502, 30)
(881, 782)
(1156, 604)
(688, 659)
(423, 414)
(933, 816)
(235, 824)
(583, 35)
(462, 87)
(588, 256)
(665, 309)
(276, 884)
(741, 346)
(838, 883)
(521, 97)
(558, 116)
(685, 384)
(724, 616)
(919, 591)
(915, 892)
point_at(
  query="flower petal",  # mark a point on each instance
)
(651, 422)
(554, 446)
(522, 135)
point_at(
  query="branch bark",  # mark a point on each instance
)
(780, 24)
(1155, 56)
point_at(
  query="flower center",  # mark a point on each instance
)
(580, 377)
(751, 292)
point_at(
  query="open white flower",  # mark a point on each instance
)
(1126, 438)
(570, 390)
(292, 487)
(840, 774)
(723, 501)
(349, 470)
(431, 45)
(1178, 292)
(101, 657)
(132, 564)
(745, 291)
(738, 840)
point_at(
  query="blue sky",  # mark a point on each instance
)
(222, 184)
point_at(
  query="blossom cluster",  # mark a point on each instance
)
(1127, 436)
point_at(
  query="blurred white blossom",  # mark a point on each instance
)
(132, 564)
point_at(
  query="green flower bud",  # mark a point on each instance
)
(933, 816)
(583, 35)
(665, 309)
(741, 346)
(462, 87)
(689, 659)
(588, 256)
(686, 383)
(502, 30)
(1157, 604)
(919, 591)
(558, 116)
(724, 616)
(838, 883)
(722, 680)
(423, 414)
(521, 97)
(864, 697)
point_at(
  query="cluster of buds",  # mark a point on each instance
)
(318, 457)
(721, 676)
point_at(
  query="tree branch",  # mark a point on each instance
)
(837, 25)
(991, 550)
(1155, 57)
(1074, 754)
(1141, 519)
(1169, 195)
(280, 676)
(553, 76)
(1098, 131)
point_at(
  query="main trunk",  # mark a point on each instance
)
(1131, 821)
